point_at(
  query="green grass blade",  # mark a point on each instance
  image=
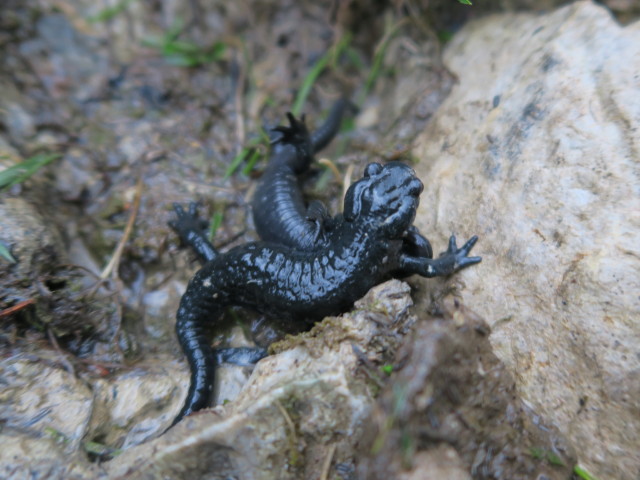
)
(109, 13)
(214, 224)
(378, 58)
(331, 54)
(6, 254)
(20, 172)
(235, 163)
(253, 159)
(183, 53)
(582, 473)
(249, 151)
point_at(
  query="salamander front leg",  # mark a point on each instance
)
(415, 244)
(191, 230)
(451, 261)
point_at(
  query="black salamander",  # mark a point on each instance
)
(372, 241)
(279, 211)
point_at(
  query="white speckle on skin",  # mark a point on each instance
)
(206, 282)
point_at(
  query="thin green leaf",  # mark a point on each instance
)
(23, 170)
(109, 13)
(537, 453)
(153, 41)
(57, 435)
(465, 2)
(6, 254)
(242, 154)
(378, 58)
(315, 72)
(235, 163)
(214, 224)
(100, 450)
(582, 473)
(183, 53)
(253, 159)
(181, 47)
(354, 58)
(554, 459)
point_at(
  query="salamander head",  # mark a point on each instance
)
(386, 198)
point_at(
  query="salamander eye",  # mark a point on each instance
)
(372, 169)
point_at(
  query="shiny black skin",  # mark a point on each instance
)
(310, 265)
(364, 247)
(279, 211)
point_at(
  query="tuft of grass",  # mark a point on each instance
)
(109, 13)
(20, 172)
(183, 53)
(328, 58)
(251, 153)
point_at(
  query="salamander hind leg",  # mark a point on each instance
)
(318, 215)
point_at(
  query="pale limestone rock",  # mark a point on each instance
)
(537, 151)
(44, 400)
(301, 405)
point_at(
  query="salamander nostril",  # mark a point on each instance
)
(416, 187)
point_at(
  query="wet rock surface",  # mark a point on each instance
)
(541, 140)
(454, 409)
(307, 402)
